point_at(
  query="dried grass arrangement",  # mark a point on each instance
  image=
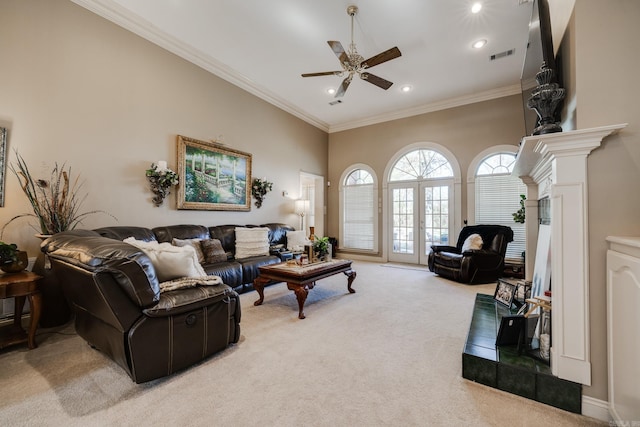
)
(56, 202)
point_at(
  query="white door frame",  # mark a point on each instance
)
(457, 190)
(312, 184)
(420, 244)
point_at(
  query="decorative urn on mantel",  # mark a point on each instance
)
(545, 100)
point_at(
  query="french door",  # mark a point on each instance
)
(421, 215)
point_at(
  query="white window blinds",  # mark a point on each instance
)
(359, 217)
(497, 198)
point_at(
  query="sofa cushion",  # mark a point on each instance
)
(296, 240)
(450, 259)
(121, 232)
(473, 242)
(277, 232)
(251, 242)
(170, 262)
(194, 243)
(213, 251)
(180, 231)
(226, 234)
(229, 271)
(185, 300)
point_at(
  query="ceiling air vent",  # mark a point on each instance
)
(337, 101)
(502, 54)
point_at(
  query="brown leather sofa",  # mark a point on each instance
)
(482, 265)
(237, 273)
(115, 295)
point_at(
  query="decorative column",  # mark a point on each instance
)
(557, 164)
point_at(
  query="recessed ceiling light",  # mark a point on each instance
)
(331, 91)
(478, 44)
(476, 7)
(406, 88)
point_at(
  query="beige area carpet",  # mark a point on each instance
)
(388, 355)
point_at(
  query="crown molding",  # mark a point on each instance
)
(114, 12)
(122, 17)
(429, 108)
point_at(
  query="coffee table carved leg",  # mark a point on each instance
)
(258, 285)
(351, 276)
(301, 294)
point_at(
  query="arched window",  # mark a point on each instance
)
(497, 195)
(359, 209)
(419, 164)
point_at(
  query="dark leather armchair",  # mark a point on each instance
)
(119, 309)
(483, 265)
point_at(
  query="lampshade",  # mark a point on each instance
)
(301, 207)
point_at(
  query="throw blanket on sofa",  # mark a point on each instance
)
(189, 282)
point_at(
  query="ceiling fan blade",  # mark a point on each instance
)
(385, 56)
(324, 73)
(339, 51)
(378, 81)
(343, 87)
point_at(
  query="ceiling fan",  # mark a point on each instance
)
(353, 63)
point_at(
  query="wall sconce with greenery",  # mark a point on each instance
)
(259, 188)
(519, 215)
(161, 179)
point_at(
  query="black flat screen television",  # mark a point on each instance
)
(539, 50)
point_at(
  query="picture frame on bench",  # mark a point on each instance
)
(212, 176)
(505, 293)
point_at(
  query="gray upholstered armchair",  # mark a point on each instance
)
(482, 265)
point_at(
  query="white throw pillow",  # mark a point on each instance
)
(474, 241)
(194, 243)
(170, 262)
(252, 242)
(296, 240)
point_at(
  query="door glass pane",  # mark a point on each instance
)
(403, 220)
(436, 216)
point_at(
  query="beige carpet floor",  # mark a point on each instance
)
(388, 355)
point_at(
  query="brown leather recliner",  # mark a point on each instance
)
(483, 265)
(115, 295)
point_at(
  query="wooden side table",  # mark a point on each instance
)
(20, 286)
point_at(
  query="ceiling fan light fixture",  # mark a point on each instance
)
(354, 64)
(479, 44)
(406, 88)
(476, 7)
(331, 91)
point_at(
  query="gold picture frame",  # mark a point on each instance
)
(3, 162)
(212, 176)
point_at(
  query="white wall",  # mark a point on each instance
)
(76, 88)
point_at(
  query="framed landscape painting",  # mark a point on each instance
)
(213, 177)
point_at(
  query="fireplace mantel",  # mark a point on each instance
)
(555, 165)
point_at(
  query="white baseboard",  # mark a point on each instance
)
(595, 408)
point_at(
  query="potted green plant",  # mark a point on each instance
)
(321, 247)
(55, 202)
(12, 260)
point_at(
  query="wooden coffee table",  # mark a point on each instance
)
(301, 278)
